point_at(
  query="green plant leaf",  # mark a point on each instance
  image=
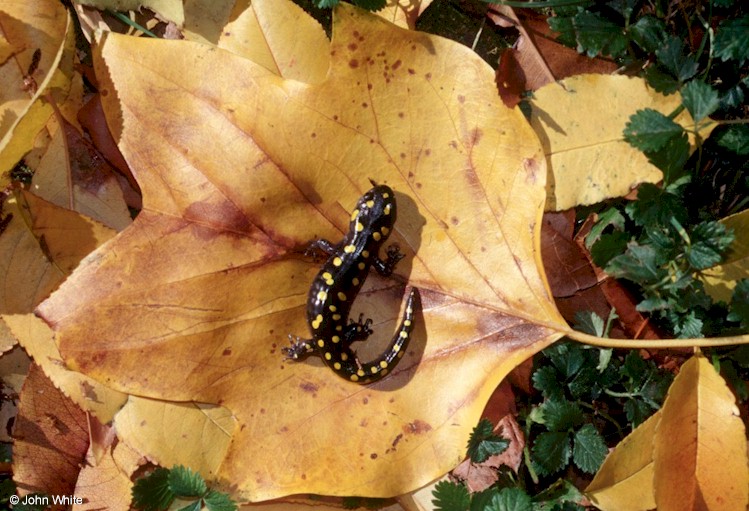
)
(640, 264)
(650, 130)
(589, 322)
(648, 33)
(671, 158)
(735, 138)
(510, 499)
(589, 449)
(671, 56)
(217, 501)
(152, 492)
(450, 496)
(732, 40)
(561, 415)
(546, 380)
(739, 307)
(609, 246)
(610, 217)
(484, 443)
(596, 34)
(700, 99)
(551, 452)
(185, 483)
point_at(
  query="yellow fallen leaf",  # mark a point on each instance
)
(44, 44)
(108, 484)
(721, 280)
(700, 457)
(279, 36)
(580, 121)
(176, 433)
(167, 10)
(194, 301)
(625, 480)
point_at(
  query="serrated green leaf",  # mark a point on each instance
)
(700, 99)
(610, 217)
(185, 483)
(732, 40)
(217, 501)
(558, 494)
(723, 3)
(561, 415)
(484, 443)
(551, 452)
(589, 322)
(327, 4)
(640, 264)
(152, 493)
(596, 34)
(480, 500)
(564, 26)
(671, 158)
(589, 449)
(735, 138)
(671, 56)
(687, 326)
(710, 240)
(546, 380)
(609, 246)
(450, 496)
(655, 207)
(510, 499)
(650, 130)
(739, 307)
(637, 411)
(648, 33)
(661, 81)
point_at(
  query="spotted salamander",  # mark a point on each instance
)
(337, 284)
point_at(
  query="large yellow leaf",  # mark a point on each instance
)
(700, 458)
(720, 280)
(239, 169)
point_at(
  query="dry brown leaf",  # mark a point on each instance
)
(700, 458)
(107, 485)
(51, 439)
(194, 301)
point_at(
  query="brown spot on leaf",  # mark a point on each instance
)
(309, 387)
(227, 352)
(353, 46)
(353, 63)
(417, 427)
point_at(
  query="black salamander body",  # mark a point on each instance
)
(337, 284)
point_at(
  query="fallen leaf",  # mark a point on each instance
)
(625, 480)
(700, 458)
(580, 122)
(51, 439)
(195, 299)
(41, 63)
(721, 280)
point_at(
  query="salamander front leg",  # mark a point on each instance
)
(386, 267)
(299, 349)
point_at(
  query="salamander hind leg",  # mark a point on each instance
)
(299, 349)
(354, 370)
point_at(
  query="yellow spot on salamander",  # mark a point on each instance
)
(335, 339)
(337, 261)
(407, 322)
(333, 308)
(360, 372)
(385, 195)
(374, 369)
(349, 249)
(338, 328)
(403, 335)
(384, 372)
(354, 214)
(337, 366)
(365, 253)
(355, 281)
(337, 317)
(328, 356)
(387, 209)
(370, 203)
(376, 236)
(321, 343)
(322, 295)
(361, 266)
(342, 296)
(400, 354)
(328, 278)
(384, 230)
(316, 322)
(359, 227)
(396, 348)
(344, 357)
(354, 377)
(383, 364)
